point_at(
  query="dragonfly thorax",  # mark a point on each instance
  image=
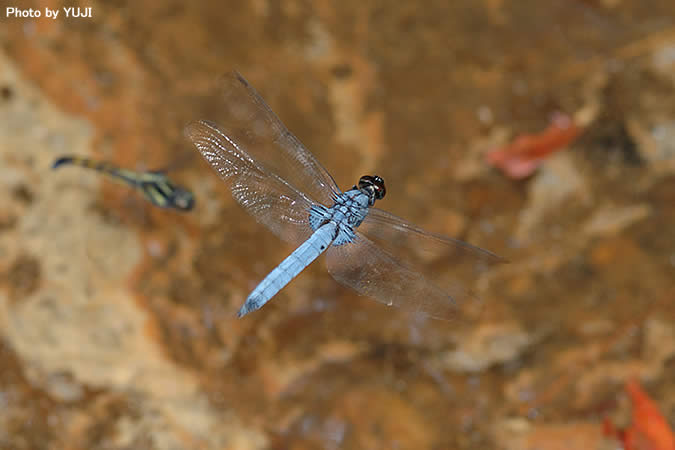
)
(347, 213)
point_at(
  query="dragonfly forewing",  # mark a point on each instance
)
(419, 248)
(268, 198)
(411, 268)
(249, 123)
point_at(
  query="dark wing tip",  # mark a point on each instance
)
(233, 76)
(239, 78)
(494, 258)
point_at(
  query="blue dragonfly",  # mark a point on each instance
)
(283, 186)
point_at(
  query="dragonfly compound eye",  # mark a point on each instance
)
(375, 183)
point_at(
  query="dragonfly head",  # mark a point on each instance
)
(183, 199)
(374, 186)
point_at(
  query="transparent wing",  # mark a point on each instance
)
(400, 264)
(252, 126)
(366, 268)
(268, 198)
(419, 247)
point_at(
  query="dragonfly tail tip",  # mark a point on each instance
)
(242, 311)
(61, 161)
(250, 305)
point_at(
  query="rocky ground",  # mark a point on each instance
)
(117, 318)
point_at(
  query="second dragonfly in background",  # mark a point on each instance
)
(155, 186)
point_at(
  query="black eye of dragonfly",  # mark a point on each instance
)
(375, 183)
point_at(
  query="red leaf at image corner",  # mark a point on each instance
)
(649, 430)
(528, 151)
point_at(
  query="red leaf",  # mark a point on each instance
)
(527, 152)
(648, 421)
(649, 430)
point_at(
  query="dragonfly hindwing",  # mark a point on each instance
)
(318, 215)
(345, 235)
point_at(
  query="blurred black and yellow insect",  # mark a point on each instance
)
(154, 185)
